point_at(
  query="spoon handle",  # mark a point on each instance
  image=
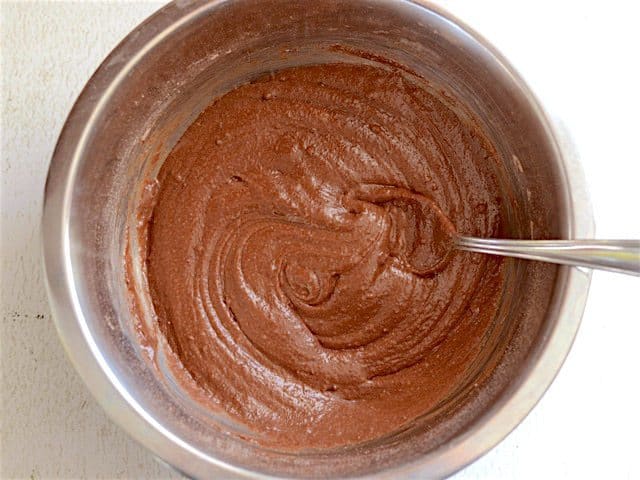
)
(621, 256)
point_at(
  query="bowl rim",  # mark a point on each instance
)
(485, 433)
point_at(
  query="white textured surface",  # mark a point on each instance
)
(580, 57)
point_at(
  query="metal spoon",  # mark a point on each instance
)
(622, 256)
(435, 229)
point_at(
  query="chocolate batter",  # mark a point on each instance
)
(299, 254)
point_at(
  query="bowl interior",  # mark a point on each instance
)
(168, 70)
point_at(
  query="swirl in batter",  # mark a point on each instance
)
(299, 253)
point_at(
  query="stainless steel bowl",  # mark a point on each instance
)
(140, 101)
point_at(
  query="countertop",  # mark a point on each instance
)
(581, 58)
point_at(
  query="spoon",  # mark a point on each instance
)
(431, 238)
(622, 256)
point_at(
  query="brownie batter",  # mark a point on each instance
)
(299, 254)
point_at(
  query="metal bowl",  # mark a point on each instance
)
(141, 100)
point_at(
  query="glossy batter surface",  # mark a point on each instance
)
(299, 254)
